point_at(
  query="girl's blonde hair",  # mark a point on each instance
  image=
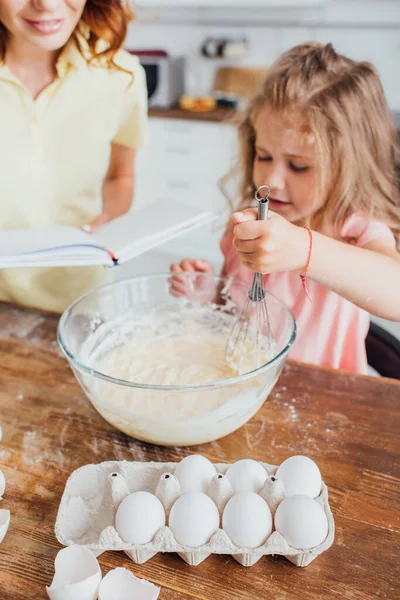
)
(105, 20)
(341, 105)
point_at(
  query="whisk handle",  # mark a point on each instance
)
(263, 209)
(262, 202)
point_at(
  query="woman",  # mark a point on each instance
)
(73, 109)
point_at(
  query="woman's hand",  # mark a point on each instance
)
(186, 285)
(269, 246)
(117, 187)
(97, 222)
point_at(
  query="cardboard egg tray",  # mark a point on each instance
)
(86, 517)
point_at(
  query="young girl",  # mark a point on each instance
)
(320, 135)
(73, 109)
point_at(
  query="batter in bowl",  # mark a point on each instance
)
(179, 344)
(170, 348)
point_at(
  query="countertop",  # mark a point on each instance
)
(349, 424)
(218, 115)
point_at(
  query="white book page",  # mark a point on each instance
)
(141, 230)
(146, 244)
(15, 242)
(43, 260)
(50, 246)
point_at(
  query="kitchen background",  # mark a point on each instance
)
(189, 152)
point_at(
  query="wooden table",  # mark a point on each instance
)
(348, 424)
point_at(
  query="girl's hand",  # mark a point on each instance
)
(184, 285)
(269, 246)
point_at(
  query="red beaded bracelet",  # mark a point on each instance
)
(303, 276)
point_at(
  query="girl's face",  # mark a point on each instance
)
(286, 162)
(43, 24)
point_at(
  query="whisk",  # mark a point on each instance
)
(239, 343)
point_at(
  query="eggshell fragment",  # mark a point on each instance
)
(77, 575)
(2, 484)
(4, 523)
(121, 584)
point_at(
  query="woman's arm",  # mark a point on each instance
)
(368, 277)
(118, 186)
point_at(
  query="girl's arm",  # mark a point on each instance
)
(368, 277)
(118, 186)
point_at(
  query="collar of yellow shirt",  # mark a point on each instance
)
(71, 56)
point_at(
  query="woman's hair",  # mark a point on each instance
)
(105, 20)
(340, 105)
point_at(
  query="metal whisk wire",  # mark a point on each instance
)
(256, 295)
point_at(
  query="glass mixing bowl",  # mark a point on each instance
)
(170, 415)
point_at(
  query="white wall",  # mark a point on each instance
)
(361, 29)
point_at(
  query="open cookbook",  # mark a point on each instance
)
(116, 242)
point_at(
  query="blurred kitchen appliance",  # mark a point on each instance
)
(164, 76)
(224, 48)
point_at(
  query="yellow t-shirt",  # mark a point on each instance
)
(54, 155)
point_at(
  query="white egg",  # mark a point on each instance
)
(247, 520)
(300, 475)
(247, 475)
(139, 516)
(301, 521)
(193, 520)
(194, 473)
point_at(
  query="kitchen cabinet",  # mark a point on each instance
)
(185, 161)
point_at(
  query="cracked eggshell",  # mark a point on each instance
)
(5, 516)
(194, 519)
(121, 584)
(2, 484)
(247, 475)
(302, 522)
(300, 475)
(247, 520)
(77, 575)
(194, 473)
(139, 516)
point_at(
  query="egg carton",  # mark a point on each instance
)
(87, 513)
